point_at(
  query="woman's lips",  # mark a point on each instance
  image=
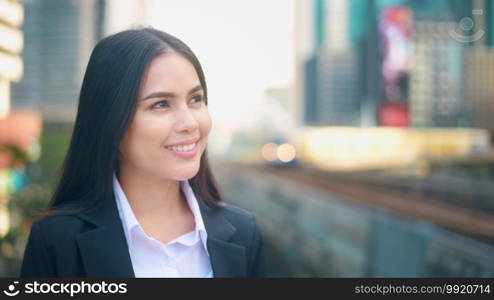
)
(186, 142)
(185, 154)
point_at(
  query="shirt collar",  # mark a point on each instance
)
(129, 220)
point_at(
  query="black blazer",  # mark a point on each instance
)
(93, 244)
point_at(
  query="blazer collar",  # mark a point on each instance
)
(105, 253)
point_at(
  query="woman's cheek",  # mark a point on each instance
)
(206, 123)
(155, 131)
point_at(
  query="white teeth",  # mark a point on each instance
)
(182, 147)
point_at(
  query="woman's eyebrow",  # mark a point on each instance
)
(168, 94)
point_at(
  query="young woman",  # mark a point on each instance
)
(137, 197)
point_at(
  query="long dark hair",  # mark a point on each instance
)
(107, 104)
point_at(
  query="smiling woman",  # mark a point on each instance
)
(137, 197)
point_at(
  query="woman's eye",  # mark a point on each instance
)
(164, 103)
(198, 98)
(159, 104)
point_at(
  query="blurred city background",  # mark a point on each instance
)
(358, 131)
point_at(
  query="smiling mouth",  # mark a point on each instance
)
(182, 148)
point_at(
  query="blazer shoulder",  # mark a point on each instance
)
(50, 239)
(239, 216)
(65, 215)
(59, 227)
(52, 221)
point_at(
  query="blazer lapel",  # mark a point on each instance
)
(227, 258)
(104, 249)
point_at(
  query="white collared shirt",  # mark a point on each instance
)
(185, 256)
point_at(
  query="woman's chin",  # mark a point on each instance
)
(184, 174)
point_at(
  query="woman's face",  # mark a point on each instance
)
(170, 111)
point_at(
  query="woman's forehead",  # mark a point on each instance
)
(170, 72)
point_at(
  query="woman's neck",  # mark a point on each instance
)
(152, 197)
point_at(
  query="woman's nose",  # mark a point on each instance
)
(186, 120)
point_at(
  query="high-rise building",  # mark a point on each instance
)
(59, 35)
(331, 70)
(436, 77)
(11, 45)
(479, 90)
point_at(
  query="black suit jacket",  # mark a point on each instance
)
(93, 244)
